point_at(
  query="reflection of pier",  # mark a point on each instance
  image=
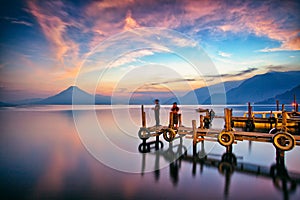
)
(227, 165)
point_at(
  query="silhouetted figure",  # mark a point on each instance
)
(175, 110)
(211, 115)
(156, 112)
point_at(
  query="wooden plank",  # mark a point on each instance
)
(252, 134)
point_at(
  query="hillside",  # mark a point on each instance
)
(202, 94)
(4, 104)
(286, 97)
(262, 87)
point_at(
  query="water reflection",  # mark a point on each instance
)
(227, 165)
(42, 157)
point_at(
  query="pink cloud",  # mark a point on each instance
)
(54, 28)
(264, 20)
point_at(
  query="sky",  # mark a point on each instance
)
(119, 47)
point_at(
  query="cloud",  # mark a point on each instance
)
(241, 73)
(130, 23)
(207, 78)
(266, 19)
(73, 32)
(102, 19)
(52, 21)
(131, 57)
(282, 68)
(223, 54)
(17, 21)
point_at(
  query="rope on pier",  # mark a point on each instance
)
(284, 141)
(226, 138)
(144, 133)
(169, 134)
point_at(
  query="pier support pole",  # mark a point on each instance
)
(249, 111)
(284, 121)
(294, 103)
(277, 105)
(229, 149)
(171, 125)
(143, 117)
(195, 137)
(228, 114)
(201, 122)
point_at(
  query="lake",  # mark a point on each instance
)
(91, 152)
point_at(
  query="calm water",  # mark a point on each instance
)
(44, 156)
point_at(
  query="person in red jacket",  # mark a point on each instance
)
(175, 110)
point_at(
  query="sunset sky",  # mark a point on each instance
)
(45, 45)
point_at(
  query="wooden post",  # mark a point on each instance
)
(294, 104)
(271, 113)
(227, 119)
(284, 121)
(171, 120)
(143, 117)
(297, 107)
(249, 111)
(195, 137)
(282, 107)
(201, 121)
(277, 105)
(229, 149)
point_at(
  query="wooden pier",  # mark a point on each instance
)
(267, 120)
(282, 139)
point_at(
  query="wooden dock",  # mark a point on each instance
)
(282, 139)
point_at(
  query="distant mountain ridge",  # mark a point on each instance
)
(263, 88)
(286, 97)
(201, 94)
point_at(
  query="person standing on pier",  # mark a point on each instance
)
(156, 112)
(175, 110)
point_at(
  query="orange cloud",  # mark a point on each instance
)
(293, 43)
(130, 23)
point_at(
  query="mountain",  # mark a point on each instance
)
(74, 95)
(285, 98)
(4, 104)
(202, 94)
(264, 86)
(27, 101)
